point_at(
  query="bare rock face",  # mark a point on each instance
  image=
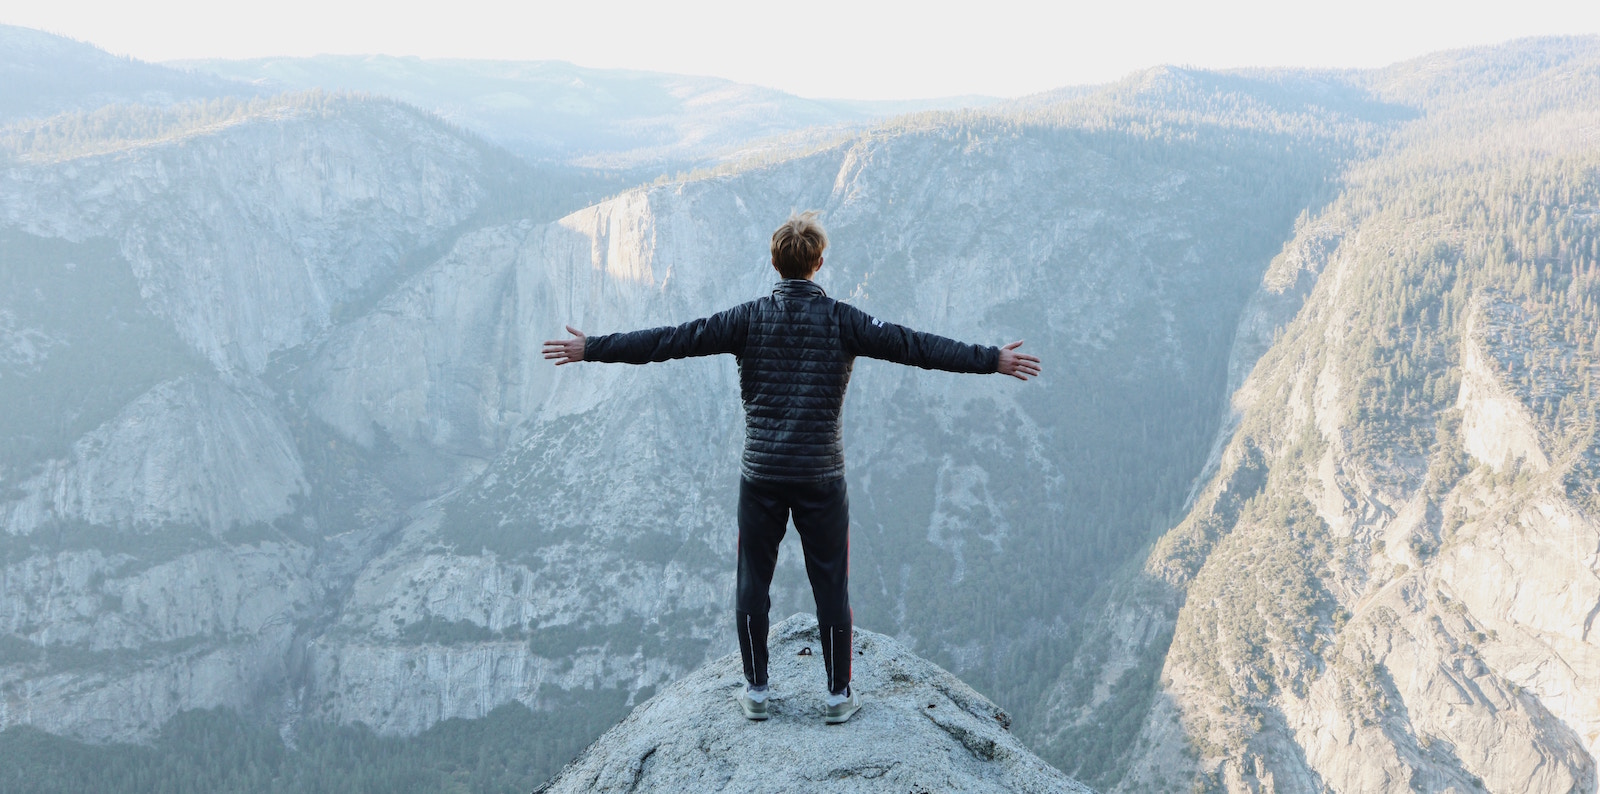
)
(249, 235)
(190, 451)
(920, 729)
(1369, 593)
(156, 551)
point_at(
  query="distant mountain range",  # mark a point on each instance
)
(547, 112)
(556, 112)
(43, 74)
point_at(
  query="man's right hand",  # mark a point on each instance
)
(566, 351)
(1018, 365)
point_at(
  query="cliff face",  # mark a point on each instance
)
(160, 553)
(919, 729)
(246, 233)
(1387, 581)
(191, 451)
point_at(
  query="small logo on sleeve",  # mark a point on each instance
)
(877, 322)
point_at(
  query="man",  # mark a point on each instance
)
(795, 349)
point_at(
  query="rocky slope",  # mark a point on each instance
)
(159, 552)
(1388, 580)
(920, 729)
(247, 231)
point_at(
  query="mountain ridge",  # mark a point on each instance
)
(43, 74)
(558, 112)
(1344, 486)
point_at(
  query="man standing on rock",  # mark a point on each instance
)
(795, 349)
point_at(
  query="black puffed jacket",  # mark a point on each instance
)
(795, 350)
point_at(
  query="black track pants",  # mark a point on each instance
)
(822, 517)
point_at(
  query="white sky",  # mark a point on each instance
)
(865, 49)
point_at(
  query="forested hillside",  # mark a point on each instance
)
(43, 74)
(1377, 585)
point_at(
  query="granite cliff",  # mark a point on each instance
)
(1386, 580)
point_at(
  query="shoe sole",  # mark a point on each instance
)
(835, 719)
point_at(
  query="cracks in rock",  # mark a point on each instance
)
(1588, 620)
(982, 748)
(870, 771)
(639, 767)
(977, 708)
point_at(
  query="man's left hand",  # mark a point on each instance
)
(1018, 365)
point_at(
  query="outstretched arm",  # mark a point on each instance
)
(884, 340)
(723, 332)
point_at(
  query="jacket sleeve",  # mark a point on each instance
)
(873, 338)
(723, 332)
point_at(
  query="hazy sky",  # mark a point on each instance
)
(831, 48)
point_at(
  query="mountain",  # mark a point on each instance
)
(920, 729)
(557, 112)
(43, 74)
(1386, 581)
(157, 548)
(586, 543)
(566, 119)
(349, 492)
(1299, 503)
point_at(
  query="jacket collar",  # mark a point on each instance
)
(798, 288)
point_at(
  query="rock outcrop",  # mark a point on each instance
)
(920, 729)
(158, 555)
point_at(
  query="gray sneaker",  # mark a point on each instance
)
(843, 710)
(753, 709)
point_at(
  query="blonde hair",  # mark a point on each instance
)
(797, 245)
